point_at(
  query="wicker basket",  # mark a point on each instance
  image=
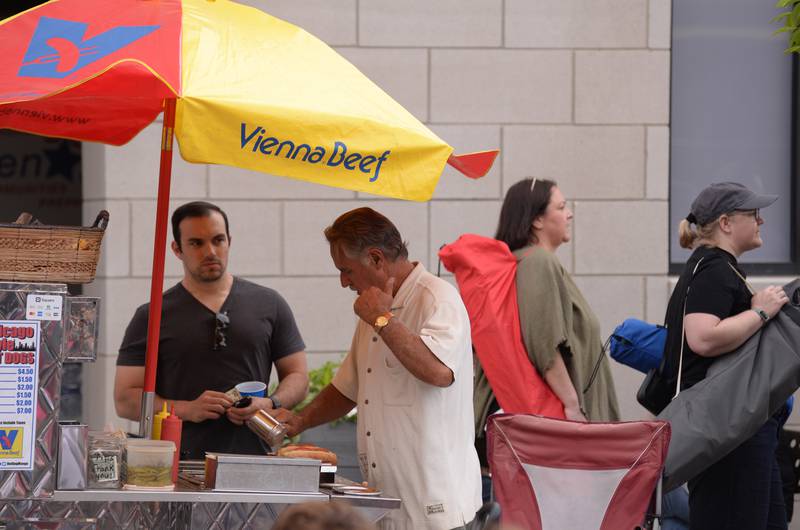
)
(33, 252)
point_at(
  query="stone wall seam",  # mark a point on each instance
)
(574, 88)
(130, 238)
(358, 23)
(429, 85)
(503, 15)
(282, 236)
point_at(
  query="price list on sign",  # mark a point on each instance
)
(19, 371)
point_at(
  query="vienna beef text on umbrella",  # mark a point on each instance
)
(236, 85)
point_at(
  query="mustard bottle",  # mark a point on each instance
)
(157, 421)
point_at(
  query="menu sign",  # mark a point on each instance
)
(19, 371)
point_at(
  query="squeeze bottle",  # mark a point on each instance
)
(157, 420)
(171, 430)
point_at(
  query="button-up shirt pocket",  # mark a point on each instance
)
(399, 387)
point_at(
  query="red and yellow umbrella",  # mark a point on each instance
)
(237, 87)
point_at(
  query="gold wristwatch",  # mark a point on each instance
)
(382, 321)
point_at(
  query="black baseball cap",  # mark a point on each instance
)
(725, 197)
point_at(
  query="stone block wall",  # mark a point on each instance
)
(573, 91)
(576, 91)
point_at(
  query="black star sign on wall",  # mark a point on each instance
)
(62, 160)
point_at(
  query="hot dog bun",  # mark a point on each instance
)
(308, 451)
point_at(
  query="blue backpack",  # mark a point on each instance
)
(638, 344)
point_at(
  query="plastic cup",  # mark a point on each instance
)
(252, 388)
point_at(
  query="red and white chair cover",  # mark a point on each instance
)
(551, 474)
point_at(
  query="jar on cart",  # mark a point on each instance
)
(105, 460)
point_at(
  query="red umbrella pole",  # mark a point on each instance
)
(157, 281)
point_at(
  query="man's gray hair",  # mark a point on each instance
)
(364, 228)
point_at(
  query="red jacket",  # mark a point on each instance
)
(486, 272)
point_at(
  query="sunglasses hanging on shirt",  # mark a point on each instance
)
(221, 323)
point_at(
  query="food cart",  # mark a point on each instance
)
(43, 461)
(30, 467)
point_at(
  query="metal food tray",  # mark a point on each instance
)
(266, 473)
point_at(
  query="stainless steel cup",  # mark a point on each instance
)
(267, 428)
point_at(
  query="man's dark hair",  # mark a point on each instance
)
(364, 228)
(194, 209)
(524, 202)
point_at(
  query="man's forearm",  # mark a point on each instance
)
(130, 406)
(329, 405)
(291, 390)
(415, 355)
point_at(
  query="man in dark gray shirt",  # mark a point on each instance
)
(216, 331)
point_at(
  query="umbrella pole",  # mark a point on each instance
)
(157, 281)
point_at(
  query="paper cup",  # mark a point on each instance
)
(252, 388)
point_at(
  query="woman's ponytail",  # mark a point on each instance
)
(686, 236)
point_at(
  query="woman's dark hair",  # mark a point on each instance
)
(363, 228)
(524, 202)
(195, 209)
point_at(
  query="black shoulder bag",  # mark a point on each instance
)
(656, 391)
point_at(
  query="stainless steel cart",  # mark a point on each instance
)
(66, 330)
(179, 509)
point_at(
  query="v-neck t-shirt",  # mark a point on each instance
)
(262, 330)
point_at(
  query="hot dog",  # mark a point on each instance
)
(308, 451)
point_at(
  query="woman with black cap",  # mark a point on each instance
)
(716, 311)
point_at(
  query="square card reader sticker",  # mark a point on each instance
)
(44, 307)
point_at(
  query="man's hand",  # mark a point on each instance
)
(374, 302)
(209, 406)
(293, 422)
(239, 416)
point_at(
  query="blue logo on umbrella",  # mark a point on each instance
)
(57, 48)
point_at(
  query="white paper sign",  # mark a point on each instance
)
(105, 467)
(44, 307)
(19, 374)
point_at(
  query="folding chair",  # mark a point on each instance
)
(551, 474)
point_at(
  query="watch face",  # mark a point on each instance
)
(381, 321)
